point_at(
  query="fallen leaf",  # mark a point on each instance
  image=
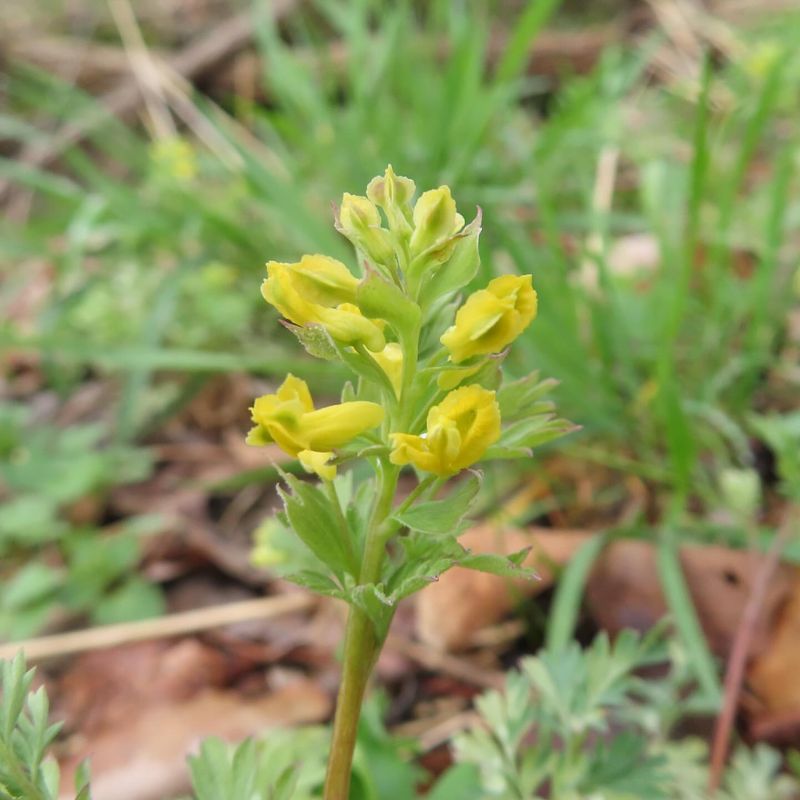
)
(773, 675)
(624, 591)
(462, 602)
(144, 757)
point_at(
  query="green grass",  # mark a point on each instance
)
(156, 275)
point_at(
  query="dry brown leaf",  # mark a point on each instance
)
(773, 675)
(145, 758)
(624, 590)
(451, 610)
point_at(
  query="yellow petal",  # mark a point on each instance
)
(317, 462)
(319, 279)
(294, 388)
(334, 426)
(346, 324)
(390, 360)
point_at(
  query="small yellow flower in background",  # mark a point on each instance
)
(435, 219)
(319, 290)
(492, 318)
(390, 360)
(175, 158)
(266, 551)
(459, 431)
(289, 419)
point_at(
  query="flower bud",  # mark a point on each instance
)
(360, 222)
(393, 194)
(741, 489)
(492, 318)
(459, 431)
(435, 220)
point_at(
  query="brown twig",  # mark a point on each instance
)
(442, 662)
(201, 619)
(734, 674)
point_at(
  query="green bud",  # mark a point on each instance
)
(447, 268)
(358, 219)
(393, 194)
(435, 220)
(741, 490)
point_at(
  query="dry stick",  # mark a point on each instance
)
(734, 674)
(200, 619)
(142, 67)
(218, 44)
(442, 662)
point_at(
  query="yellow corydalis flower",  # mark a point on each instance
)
(492, 318)
(289, 419)
(319, 290)
(459, 430)
(390, 360)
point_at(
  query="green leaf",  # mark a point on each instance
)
(443, 516)
(317, 582)
(534, 431)
(569, 593)
(315, 339)
(314, 520)
(459, 269)
(683, 611)
(31, 584)
(506, 566)
(378, 606)
(135, 599)
(461, 781)
(83, 781)
(517, 398)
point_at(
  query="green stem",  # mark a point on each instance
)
(361, 647)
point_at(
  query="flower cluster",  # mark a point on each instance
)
(426, 375)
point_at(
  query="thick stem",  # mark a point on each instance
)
(361, 649)
(360, 653)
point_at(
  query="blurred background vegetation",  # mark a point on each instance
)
(640, 159)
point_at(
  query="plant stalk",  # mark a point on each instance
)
(361, 649)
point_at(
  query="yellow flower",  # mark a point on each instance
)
(460, 429)
(289, 418)
(435, 219)
(319, 290)
(266, 551)
(492, 318)
(175, 158)
(314, 461)
(390, 360)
